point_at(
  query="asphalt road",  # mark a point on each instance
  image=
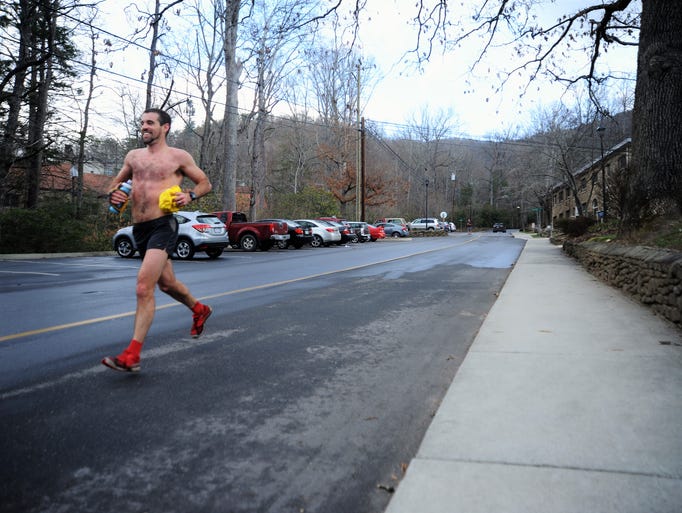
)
(311, 388)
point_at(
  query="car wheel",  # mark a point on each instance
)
(282, 244)
(317, 241)
(124, 247)
(248, 242)
(395, 235)
(214, 253)
(184, 249)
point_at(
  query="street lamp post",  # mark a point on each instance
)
(426, 207)
(453, 179)
(600, 131)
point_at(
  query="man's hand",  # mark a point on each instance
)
(182, 199)
(117, 197)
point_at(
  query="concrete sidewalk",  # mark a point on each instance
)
(569, 400)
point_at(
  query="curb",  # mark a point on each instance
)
(43, 256)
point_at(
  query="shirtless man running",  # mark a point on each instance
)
(154, 169)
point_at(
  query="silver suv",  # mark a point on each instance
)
(197, 231)
(425, 223)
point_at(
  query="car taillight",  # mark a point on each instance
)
(203, 228)
(299, 231)
(330, 230)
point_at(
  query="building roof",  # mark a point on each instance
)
(58, 177)
(590, 165)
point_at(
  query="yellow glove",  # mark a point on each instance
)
(167, 200)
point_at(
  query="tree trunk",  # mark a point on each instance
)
(9, 146)
(156, 19)
(82, 136)
(40, 87)
(657, 134)
(231, 117)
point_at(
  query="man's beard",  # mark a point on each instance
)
(151, 139)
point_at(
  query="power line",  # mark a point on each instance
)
(195, 68)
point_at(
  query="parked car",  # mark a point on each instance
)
(394, 220)
(376, 232)
(361, 229)
(499, 227)
(394, 230)
(425, 223)
(298, 235)
(197, 231)
(347, 233)
(324, 233)
(447, 226)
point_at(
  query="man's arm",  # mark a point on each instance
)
(126, 173)
(202, 185)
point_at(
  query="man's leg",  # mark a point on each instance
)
(153, 265)
(169, 284)
(179, 291)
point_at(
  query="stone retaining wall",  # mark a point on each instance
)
(652, 276)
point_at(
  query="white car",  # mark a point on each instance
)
(324, 233)
(197, 231)
(425, 223)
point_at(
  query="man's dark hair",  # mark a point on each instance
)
(163, 115)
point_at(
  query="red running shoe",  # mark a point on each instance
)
(125, 362)
(199, 319)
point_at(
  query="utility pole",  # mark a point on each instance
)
(363, 174)
(358, 150)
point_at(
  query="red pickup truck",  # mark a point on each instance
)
(251, 236)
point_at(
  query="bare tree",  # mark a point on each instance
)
(431, 159)
(566, 134)
(233, 67)
(85, 119)
(155, 27)
(203, 62)
(655, 28)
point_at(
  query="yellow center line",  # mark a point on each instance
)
(97, 320)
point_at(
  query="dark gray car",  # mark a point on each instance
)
(394, 230)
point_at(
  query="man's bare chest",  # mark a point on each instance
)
(155, 168)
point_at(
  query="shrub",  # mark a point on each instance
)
(52, 228)
(574, 227)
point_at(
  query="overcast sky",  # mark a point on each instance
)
(404, 93)
(445, 85)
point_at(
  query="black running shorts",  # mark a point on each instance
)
(160, 233)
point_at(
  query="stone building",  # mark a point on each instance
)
(588, 182)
